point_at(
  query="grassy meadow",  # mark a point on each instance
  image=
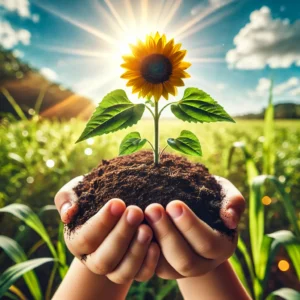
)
(38, 156)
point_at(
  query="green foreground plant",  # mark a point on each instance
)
(264, 247)
(24, 266)
(116, 112)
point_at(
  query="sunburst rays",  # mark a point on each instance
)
(132, 19)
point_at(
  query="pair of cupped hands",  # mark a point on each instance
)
(116, 244)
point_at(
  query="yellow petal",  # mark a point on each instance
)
(168, 48)
(134, 66)
(176, 48)
(130, 75)
(157, 91)
(156, 37)
(183, 65)
(180, 73)
(159, 46)
(176, 81)
(138, 85)
(165, 93)
(177, 56)
(169, 87)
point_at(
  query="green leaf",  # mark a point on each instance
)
(238, 268)
(197, 106)
(115, 112)
(284, 293)
(131, 143)
(16, 253)
(186, 143)
(150, 102)
(25, 214)
(15, 272)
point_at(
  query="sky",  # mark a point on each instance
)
(235, 46)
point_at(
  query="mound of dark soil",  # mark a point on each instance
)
(137, 181)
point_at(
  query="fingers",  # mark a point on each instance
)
(90, 235)
(173, 246)
(147, 270)
(165, 271)
(134, 257)
(233, 205)
(201, 237)
(108, 255)
(65, 200)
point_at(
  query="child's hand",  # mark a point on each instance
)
(189, 246)
(113, 242)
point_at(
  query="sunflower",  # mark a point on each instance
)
(155, 67)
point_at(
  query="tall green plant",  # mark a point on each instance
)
(15, 252)
(264, 247)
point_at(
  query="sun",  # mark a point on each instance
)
(155, 67)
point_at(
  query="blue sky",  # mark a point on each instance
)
(235, 46)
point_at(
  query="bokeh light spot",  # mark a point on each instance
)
(283, 265)
(88, 151)
(50, 163)
(266, 200)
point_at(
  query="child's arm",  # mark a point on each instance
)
(116, 248)
(220, 283)
(80, 283)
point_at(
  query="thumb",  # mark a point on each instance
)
(233, 204)
(66, 200)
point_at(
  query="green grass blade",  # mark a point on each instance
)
(14, 104)
(251, 168)
(166, 289)
(16, 253)
(61, 247)
(287, 203)
(269, 133)
(244, 251)
(284, 293)
(13, 273)
(238, 268)
(25, 214)
(256, 219)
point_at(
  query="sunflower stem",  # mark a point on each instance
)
(156, 134)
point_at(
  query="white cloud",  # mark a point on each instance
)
(287, 85)
(295, 92)
(21, 7)
(35, 18)
(282, 89)
(266, 42)
(10, 37)
(221, 86)
(49, 74)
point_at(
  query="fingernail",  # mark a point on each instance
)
(133, 218)
(175, 211)
(65, 208)
(116, 209)
(143, 237)
(233, 216)
(154, 215)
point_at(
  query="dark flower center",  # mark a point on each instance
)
(156, 68)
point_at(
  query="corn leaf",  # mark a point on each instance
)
(25, 214)
(115, 112)
(13, 273)
(251, 168)
(16, 254)
(284, 293)
(238, 268)
(269, 132)
(198, 106)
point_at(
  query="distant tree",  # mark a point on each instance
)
(11, 67)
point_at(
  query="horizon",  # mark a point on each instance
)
(81, 46)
